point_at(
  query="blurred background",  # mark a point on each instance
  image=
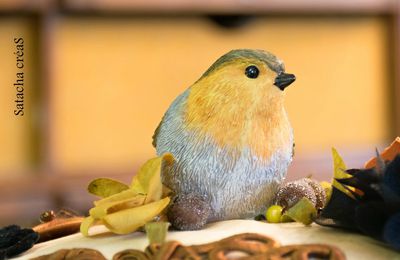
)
(99, 74)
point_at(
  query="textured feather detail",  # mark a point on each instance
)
(237, 185)
(177, 102)
(230, 136)
(270, 59)
(239, 116)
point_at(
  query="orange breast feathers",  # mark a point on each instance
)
(237, 116)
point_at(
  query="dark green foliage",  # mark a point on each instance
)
(391, 232)
(14, 240)
(375, 208)
(339, 212)
(260, 217)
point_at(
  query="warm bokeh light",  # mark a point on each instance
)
(114, 80)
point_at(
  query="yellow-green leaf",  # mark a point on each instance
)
(156, 231)
(123, 195)
(103, 209)
(303, 211)
(285, 219)
(148, 179)
(86, 224)
(104, 187)
(339, 168)
(129, 220)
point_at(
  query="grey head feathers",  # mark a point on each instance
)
(268, 58)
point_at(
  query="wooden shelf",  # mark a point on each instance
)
(25, 5)
(23, 199)
(233, 6)
(207, 6)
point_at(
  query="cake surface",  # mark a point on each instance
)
(354, 246)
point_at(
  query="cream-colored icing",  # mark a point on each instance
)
(355, 246)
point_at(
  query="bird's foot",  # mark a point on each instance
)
(189, 212)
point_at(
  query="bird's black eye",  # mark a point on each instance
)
(252, 72)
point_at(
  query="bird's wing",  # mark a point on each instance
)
(155, 135)
(171, 112)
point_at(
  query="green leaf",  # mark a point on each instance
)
(104, 187)
(285, 219)
(303, 211)
(156, 231)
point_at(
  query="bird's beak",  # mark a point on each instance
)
(283, 80)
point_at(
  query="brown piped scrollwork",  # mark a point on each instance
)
(250, 246)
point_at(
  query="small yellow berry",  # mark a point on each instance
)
(274, 214)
